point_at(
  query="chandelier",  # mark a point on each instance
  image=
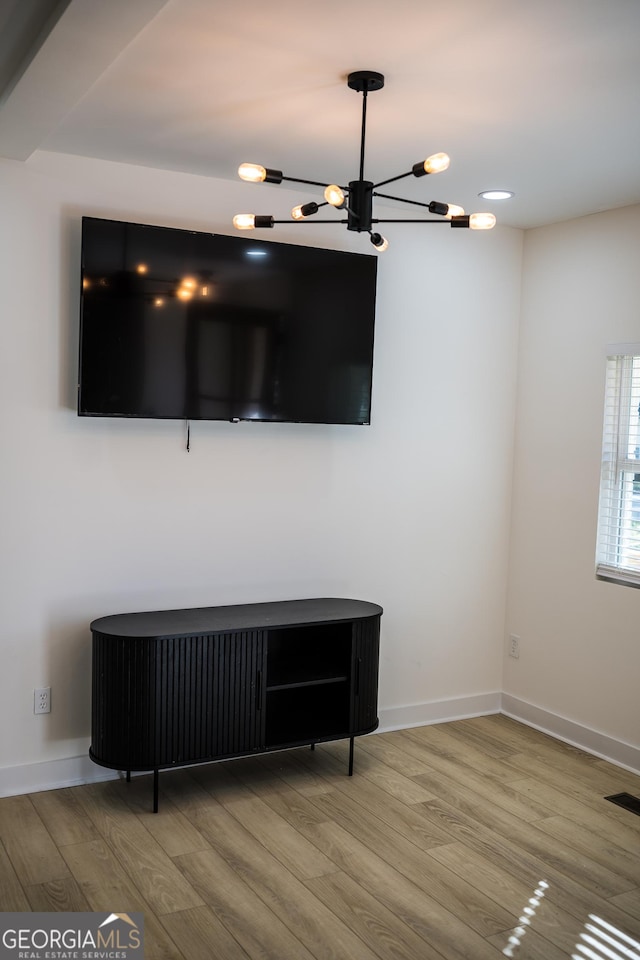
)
(356, 197)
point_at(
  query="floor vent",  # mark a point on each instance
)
(627, 801)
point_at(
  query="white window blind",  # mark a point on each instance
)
(618, 549)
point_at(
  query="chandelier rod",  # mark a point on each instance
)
(364, 128)
(400, 176)
(387, 196)
(313, 183)
(411, 220)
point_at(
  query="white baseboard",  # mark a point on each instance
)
(73, 771)
(591, 741)
(438, 711)
(51, 775)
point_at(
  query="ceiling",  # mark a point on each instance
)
(538, 97)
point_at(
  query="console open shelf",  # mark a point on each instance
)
(176, 687)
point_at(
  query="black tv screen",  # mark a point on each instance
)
(189, 325)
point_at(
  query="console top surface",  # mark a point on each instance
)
(226, 619)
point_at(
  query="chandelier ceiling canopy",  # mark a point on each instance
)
(356, 198)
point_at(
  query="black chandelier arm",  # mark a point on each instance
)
(417, 203)
(312, 183)
(309, 220)
(405, 220)
(400, 176)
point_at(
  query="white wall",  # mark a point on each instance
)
(579, 647)
(106, 516)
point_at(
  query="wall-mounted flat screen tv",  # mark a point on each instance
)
(188, 325)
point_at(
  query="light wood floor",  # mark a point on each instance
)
(432, 851)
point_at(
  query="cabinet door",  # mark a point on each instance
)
(209, 696)
(366, 643)
(160, 702)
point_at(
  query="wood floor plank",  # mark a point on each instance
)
(296, 809)
(184, 792)
(391, 751)
(420, 911)
(468, 733)
(169, 826)
(586, 789)
(623, 831)
(402, 818)
(518, 736)
(629, 902)
(57, 895)
(575, 772)
(375, 924)
(33, 854)
(220, 782)
(107, 887)
(154, 873)
(472, 906)
(64, 816)
(531, 946)
(555, 853)
(285, 842)
(434, 740)
(102, 878)
(482, 786)
(555, 925)
(630, 779)
(625, 863)
(201, 935)
(253, 925)
(287, 898)
(307, 780)
(12, 894)
(390, 781)
(566, 888)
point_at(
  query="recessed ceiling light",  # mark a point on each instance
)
(256, 253)
(496, 194)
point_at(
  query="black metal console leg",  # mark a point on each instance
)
(128, 776)
(351, 756)
(155, 791)
(313, 746)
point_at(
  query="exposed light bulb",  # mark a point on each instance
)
(334, 195)
(252, 172)
(482, 221)
(189, 283)
(436, 163)
(141, 268)
(255, 173)
(454, 211)
(244, 221)
(304, 210)
(379, 242)
(158, 302)
(184, 294)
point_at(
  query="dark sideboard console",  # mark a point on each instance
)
(177, 687)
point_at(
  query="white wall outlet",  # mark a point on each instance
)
(42, 700)
(514, 646)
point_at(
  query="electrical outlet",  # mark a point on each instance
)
(42, 700)
(514, 646)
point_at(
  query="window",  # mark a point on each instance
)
(618, 550)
